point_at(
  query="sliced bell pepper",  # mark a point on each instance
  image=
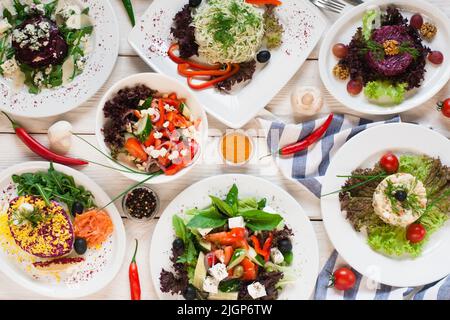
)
(134, 148)
(178, 60)
(150, 139)
(210, 83)
(172, 102)
(186, 70)
(264, 2)
(162, 117)
(173, 169)
(173, 96)
(180, 121)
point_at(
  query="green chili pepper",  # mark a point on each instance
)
(129, 7)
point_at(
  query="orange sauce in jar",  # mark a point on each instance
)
(236, 148)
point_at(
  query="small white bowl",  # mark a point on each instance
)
(162, 84)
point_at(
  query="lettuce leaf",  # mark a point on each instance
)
(371, 20)
(385, 92)
(418, 166)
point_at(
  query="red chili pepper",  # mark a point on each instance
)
(135, 286)
(308, 141)
(40, 150)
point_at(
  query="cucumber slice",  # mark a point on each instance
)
(200, 272)
(144, 127)
(185, 110)
(255, 258)
(205, 245)
(238, 256)
(223, 296)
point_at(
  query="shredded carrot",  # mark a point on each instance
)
(94, 226)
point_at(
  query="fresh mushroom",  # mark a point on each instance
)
(60, 137)
(307, 100)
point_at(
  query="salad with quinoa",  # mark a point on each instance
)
(150, 131)
(234, 249)
(43, 43)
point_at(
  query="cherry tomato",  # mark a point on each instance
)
(211, 259)
(343, 279)
(389, 163)
(415, 233)
(444, 107)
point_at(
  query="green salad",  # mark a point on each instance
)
(398, 208)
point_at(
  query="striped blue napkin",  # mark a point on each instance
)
(307, 169)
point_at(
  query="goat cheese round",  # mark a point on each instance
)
(393, 211)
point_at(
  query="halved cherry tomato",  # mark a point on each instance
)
(211, 259)
(444, 107)
(389, 163)
(228, 253)
(415, 233)
(220, 255)
(250, 270)
(134, 148)
(343, 279)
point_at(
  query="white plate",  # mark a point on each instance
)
(345, 27)
(52, 102)
(303, 24)
(306, 256)
(363, 151)
(162, 84)
(102, 264)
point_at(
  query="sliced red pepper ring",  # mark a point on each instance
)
(264, 2)
(178, 60)
(187, 70)
(209, 83)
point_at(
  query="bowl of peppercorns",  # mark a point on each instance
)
(140, 204)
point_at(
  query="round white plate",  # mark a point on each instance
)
(100, 267)
(305, 250)
(363, 151)
(100, 63)
(163, 84)
(345, 27)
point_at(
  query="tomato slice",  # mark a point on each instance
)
(228, 253)
(250, 270)
(134, 148)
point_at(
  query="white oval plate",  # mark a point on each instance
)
(163, 84)
(103, 264)
(345, 27)
(303, 24)
(306, 255)
(52, 102)
(363, 151)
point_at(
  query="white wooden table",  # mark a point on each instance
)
(83, 121)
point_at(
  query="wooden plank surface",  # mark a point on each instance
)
(83, 121)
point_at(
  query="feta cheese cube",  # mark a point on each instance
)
(163, 152)
(236, 222)
(218, 271)
(184, 152)
(211, 285)
(204, 231)
(174, 155)
(157, 135)
(166, 124)
(256, 290)
(276, 256)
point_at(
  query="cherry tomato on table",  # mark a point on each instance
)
(444, 107)
(389, 163)
(415, 233)
(343, 279)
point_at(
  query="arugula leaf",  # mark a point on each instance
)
(180, 228)
(232, 198)
(258, 220)
(211, 219)
(262, 203)
(222, 206)
(50, 8)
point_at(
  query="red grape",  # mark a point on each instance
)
(354, 87)
(436, 57)
(340, 50)
(416, 21)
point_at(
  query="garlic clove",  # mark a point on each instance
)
(306, 100)
(60, 137)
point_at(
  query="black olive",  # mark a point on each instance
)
(263, 56)
(178, 244)
(190, 293)
(194, 3)
(80, 245)
(285, 245)
(400, 195)
(77, 208)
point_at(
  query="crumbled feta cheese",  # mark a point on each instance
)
(154, 153)
(141, 103)
(163, 152)
(211, 285)
(236, 222)
(204, 231)
(81, 63)
(218, 271)
(157, 135)
(169, 108)
(256, 290)
(26, 207)
(166, 124)
(174, 155)
(184, 152)
(276, 256)
(38, 79)
(70, 10)
(4, 26)
(10, 67)
(48, 70)
(189, 132)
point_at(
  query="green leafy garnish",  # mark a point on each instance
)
(258, 220)
(370, 20)
(180, 228)
(208, 219)
(222, 206)
(385, 91)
